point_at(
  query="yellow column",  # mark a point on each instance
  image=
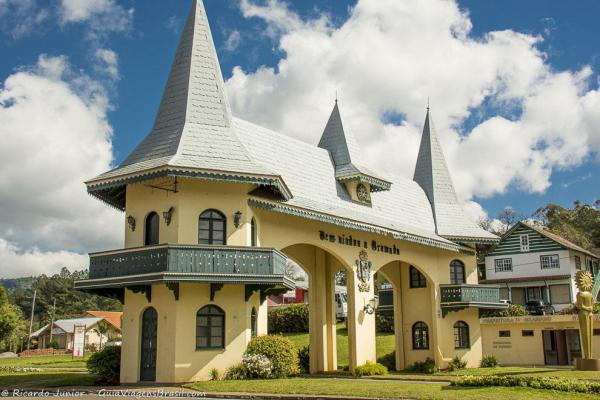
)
(435, 331)
(393, 274)
(317, 294)
(361, 326)
(331, 320)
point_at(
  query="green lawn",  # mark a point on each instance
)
(380, 389)
(55, 371)
(385, 343)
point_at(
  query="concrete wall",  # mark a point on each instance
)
(178, 360)
(526, 350)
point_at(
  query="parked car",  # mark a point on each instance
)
(538, 307)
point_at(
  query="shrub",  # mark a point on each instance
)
(513, 310)
(281, 351)
(257, 366)
(53, 345)
(548, 383)
(384, 323)
(236, 372)
(106, 365)
(388, 360)
(215, 375)
(489, 361)
(304, 358)
(91, 347)
(457, 364)
(291, 318)
(370, 369)
(425, 367)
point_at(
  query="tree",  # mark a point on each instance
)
(12, 323)
(580, 224)
(70, 303)
(101, 330)
(507, 218)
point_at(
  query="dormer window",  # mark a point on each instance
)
(524, 240)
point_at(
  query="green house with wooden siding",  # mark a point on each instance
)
(532, 263)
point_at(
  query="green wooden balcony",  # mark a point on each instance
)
(458, 297)
(137, 268)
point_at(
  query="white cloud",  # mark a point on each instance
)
(233, 41)
(35, 262)
(55, 135)
(173, 24)
(390, 56)
(20, 18)
(107, 63)
(102, 16)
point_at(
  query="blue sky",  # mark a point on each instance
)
(571, 32)
(506, 72)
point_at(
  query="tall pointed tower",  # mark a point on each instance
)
(347, 159)
(192, 134)
(432, 174)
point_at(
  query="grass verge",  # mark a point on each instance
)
(381, 389)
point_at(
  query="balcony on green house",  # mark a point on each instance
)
(458, 297)
(139, 268)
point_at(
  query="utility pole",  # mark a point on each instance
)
(31, 321)
(52, 320)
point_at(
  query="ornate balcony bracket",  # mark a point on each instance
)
(214, 288)
(173, 287)
(145, 289)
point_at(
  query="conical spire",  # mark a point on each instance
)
(346, 154)
(431, 173)
(192, 133)
(195, 91)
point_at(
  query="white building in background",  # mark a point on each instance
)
(531, 263)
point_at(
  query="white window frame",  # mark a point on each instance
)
(503, 265)
(546, 261)
(577, 262)
(524, 243)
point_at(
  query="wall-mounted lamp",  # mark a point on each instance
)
(237, 219)
(372, 305)
(167, 215)
(131, 223)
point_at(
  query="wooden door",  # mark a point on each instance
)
(148, 353)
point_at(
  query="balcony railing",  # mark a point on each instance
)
(180, 263)
(457, 297)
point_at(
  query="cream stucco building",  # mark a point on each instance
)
(213, 205)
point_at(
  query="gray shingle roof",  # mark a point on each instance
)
(346, 154)
(310, 175)
(68, 325)
(432, 174)
(193, 124)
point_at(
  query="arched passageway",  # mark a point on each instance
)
(413, 312)
(321, 267)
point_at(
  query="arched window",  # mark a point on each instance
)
(420, 336)
(253, 321)
(253, 233)
(417, 279)
(211, 228)
(457, 272)
(210, 328)
(461, 335)
(151, 229)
